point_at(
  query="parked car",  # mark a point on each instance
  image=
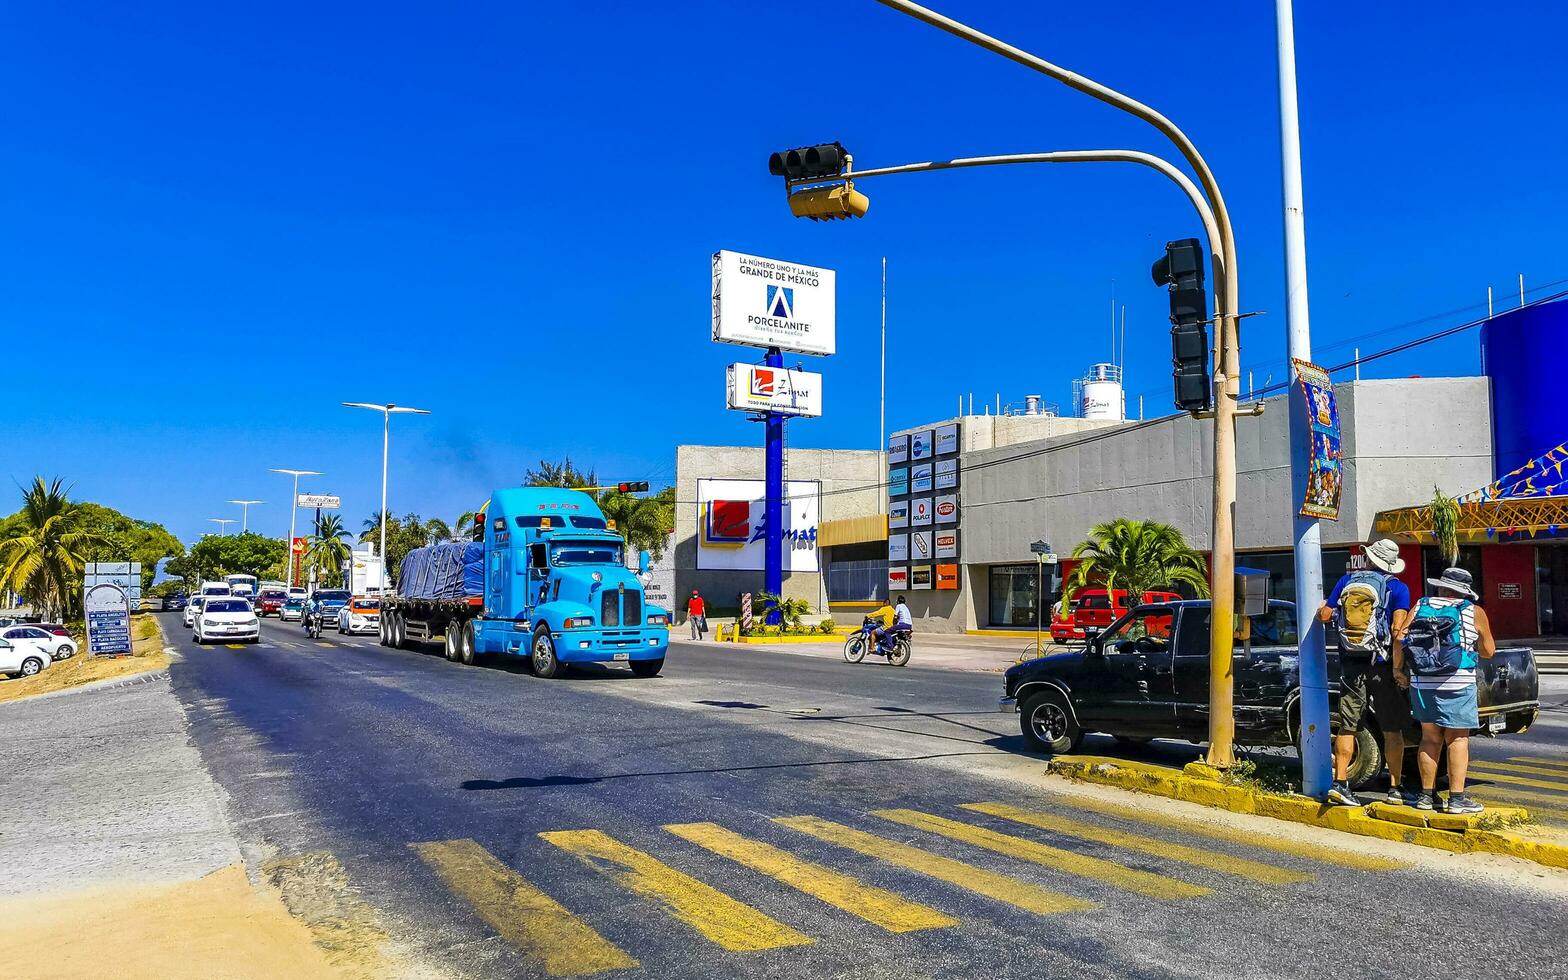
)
(35, 636)
(361, 615)
(58, 629)
(227, 618)
(192, 610)
(17, 660)
(173, 602)
(1092, 610)
(293, 609)
(270, 602)
(1148, 677)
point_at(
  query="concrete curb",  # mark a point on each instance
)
(108, 684)
(1459, 834)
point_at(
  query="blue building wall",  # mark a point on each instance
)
(1525, 352)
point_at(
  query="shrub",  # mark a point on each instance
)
(827, 625)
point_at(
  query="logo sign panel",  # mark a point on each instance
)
(920, 577)
(946, 509)
(947, 439)
(897, 579)
(731, 532)
(947, 544)
(946, 474)
(898, 449)
(920, 478)
(920, 510)
(898, 513)
(323, 501)
(771, 303)
(947, 578)
(920, 445)
(898, 482)
(920, 546)
(753, 388)
(898, 547)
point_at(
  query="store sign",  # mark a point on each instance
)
(1324, 476)
(920, 577)
(319, 501)
(947, 439)
(897, 579)
(920, 512)
(920, 546)
(946, 509)
(1509, 590)
(770, 303)
(753, 388)
(920, 445)
(732, 531)
(898, 482)
(946, 578)
(107, 614)
(947, 544)
(898, 547)
(920, 478)
(897, 450)
(946, 474)
(898, 513)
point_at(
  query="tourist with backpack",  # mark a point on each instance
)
(1369, 606)
(1446, 634)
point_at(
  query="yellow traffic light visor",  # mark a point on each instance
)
(829, 203)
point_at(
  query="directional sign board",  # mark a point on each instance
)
(324, 501)
(107, 613)
(754, 388)
(770, 303)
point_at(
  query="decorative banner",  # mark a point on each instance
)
(1324, 475)
(754, 388)
(947, 577)
(947, 439)
(897, 449)
(946, 474)
(898, 482)
(897, 578)
(898, 513)
(920, 512)
(920, 478)
(920, 577)
(898, 547)
(947, 508)
(108, 619)
(947, 544)
(768, 303)
(920, 445)
(920, 546)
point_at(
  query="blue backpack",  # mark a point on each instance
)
(1434, 639)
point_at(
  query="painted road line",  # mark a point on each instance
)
(876, 905)
(1527, 770)
(1523, 797)
(559, 942)
(235, 646)
(1003, 888)
(1268, 874)
(1480, 772)
(736, 927)
(1186, 825)
(1097, 869)
(1541, 760)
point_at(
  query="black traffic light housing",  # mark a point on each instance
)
(809, 162)
(1181, 269)
(632, 487)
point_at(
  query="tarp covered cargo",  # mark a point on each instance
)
(450, 570)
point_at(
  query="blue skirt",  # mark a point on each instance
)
(1454, 708)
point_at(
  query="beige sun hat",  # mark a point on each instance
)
(1384, 554)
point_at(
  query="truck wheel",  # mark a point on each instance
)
(1048, 724)
(545, 662)
(399, 632)
(449, 642)
(465, 644)
(1368, 760)
(647, 668)
(385, 629)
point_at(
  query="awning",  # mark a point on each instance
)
(852, 530)
(1481, 521)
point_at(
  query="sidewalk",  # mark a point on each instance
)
(937, 651)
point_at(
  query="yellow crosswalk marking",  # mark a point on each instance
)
(1317, 852)
(1269, 874)
(1108, 872)
(736, 927)
(1001, 887)
(1521, 797)
(1480, 773)
(562, 944)
(1528, 770)
(877, 906)
(1541, 760)
(235, 646)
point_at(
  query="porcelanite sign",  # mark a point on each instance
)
(771, 303)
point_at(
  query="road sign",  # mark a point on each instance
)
(108, 619)
(323, 501)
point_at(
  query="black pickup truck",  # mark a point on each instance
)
(1147, 676)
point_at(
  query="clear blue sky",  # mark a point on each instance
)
(220, 222)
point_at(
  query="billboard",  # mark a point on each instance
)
(946, 474)
(898, 513)
(898, 547)
(947, 544)
(920, 546)
(920, 446)
(920, 512)
(897, 449)
(920, 478)
(947, 439)
(754, 388)
(920, 577)
(731, 531)
(770, 303)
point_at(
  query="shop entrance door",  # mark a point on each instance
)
(1551, 588)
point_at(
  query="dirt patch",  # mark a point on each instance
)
(217, 926)
(83, 668)
(316, 891)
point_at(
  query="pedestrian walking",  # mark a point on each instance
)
(1446, 635)
(1369, 606)
(696, 615)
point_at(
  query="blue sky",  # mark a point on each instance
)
(220, 222)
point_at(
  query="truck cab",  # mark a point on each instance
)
(557, 589)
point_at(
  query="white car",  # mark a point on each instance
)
(216, 588)
(362, 614)
(17, 660)
(225, 618)
(36, 638)
(193, 609)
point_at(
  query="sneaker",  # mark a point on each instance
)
(1340, 793)
(1462, 803)
(1397, 797)
(1423, 800)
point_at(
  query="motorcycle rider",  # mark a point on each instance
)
(895, 620)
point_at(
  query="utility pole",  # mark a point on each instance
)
(1316, 763)
(245, 513)
(882, 399)
(387, 411)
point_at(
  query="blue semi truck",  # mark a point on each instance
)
(549, 582)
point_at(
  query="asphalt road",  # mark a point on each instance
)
(769, 815)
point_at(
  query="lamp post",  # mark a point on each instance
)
(223, 524)
(387, 411)
(245, 513)
(293, 512)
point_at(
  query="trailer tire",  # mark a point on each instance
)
(541, 654)
(465, 644)
(386, 628)
(399, 633)
(449, 643)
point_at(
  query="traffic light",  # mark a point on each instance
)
(809, 162)
(829, 203)
(632, 487)
(1181, 269)
(819, 164)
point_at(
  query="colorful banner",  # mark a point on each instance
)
(1325, 478)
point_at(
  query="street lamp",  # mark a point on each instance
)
(245, 513)
(1222, 245)
(223, 524)
(387, 411)
(293, 512)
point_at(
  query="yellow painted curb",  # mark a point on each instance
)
(1015, 634)
(1449, 832)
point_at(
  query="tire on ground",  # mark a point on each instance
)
(465, 643)
(1048, 723)
(1367, 761)
(449, 643)
(541, 654)
(647, 668)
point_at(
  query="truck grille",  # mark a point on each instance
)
(631, 608)
(610, 610)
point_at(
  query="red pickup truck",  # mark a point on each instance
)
(1097, 609)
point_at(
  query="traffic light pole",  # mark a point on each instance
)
(1222, 565)
(773, 492)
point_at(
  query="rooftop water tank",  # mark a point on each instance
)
(1100, 393)
(1522, 351)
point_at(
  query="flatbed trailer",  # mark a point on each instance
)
(406, 620)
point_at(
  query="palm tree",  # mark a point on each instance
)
(562, 474)
(327, 551)
(372, 527)
(645, 522)
(1137, 556)
(42, 556)
(437, 530)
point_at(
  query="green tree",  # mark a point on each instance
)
(217, 555)
(122, 538)
(371, 527)
(1137, 556)
(562, 474)
(645, 522)
(44, 547)
(326, 551)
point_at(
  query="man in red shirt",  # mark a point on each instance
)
(696, 615)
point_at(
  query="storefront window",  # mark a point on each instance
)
(1013, 591)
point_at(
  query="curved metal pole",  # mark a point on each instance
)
(1227, 361)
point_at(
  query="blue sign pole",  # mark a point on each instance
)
(773, 512)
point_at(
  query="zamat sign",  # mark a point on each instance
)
(765, 389)
(770, 303)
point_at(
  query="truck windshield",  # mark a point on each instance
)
(586, 554)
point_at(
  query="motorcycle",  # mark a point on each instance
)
(313, 624)
(865, 641)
